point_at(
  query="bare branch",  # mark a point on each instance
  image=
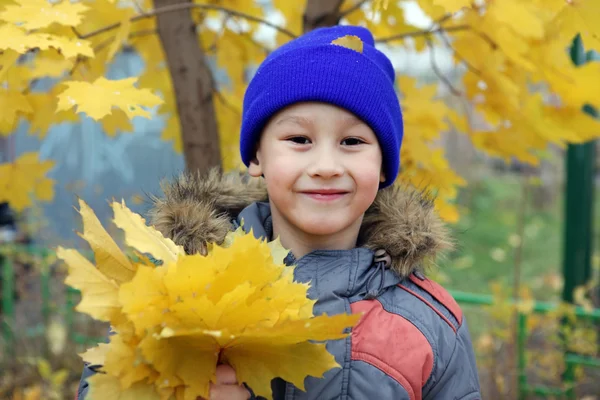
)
(184, 6)
(437, 71)
(355, 7)
(425, 33)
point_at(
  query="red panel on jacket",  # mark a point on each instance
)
(392, 344)
(440, 294)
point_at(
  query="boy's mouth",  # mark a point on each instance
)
(325, 194)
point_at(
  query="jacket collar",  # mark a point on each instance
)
(199, 209)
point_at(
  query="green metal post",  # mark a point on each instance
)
(578, 203)
(522, 361)
(8, 311)
(579, 206)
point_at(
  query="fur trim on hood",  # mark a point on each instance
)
(198, 209)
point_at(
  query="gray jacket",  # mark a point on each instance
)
(412, 342)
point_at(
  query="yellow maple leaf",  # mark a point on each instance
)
(124, 359)
(44, 114)
(284, 361)
(520, 16)
(49, 63)
(7, 61)
(144, 238)
(13, 104)
(99, 294)
(36, 14)
(98, 98)
(116, 121)
(17, 39)
(109, 258)
(24, 180)
(175, 322)
(581, 16)
(96, 355)
(350, 42)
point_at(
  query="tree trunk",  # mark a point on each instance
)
(193, 86)
(320, 13)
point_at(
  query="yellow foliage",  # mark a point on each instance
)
(238, 305)
(13, 104)
(36, 14)
(520, 84)
(17, 39)
(24, 180)
(98, 98)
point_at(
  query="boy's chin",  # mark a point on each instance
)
(320, 226)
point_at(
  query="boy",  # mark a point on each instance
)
(322, 127)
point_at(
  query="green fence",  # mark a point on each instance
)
(71, 295)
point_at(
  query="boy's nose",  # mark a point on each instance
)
(326, 165)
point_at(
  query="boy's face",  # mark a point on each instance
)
(322, 167)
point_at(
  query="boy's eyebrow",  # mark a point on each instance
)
(352, 121)
(308, 123)
(296, 119)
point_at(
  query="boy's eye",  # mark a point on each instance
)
(352, 141)
(299, 140)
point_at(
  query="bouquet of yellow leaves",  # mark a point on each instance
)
(175, 322)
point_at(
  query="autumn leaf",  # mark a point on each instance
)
(98, 98)
(36, 14)
(521, 17)
(143, 238)
(99, 294)
(110, 260)
(238, 304)
(13, 104)
(350, 42)
(45, 115)
(95, 355)
(24, 180)
(17, 39)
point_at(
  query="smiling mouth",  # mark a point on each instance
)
(325, 195)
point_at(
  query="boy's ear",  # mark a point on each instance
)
(254, 169)
(382, 176)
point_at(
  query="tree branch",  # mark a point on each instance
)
(355, 7)
(437, 71)
(426, 33)
(185, 6)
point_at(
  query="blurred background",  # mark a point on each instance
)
(520, 195)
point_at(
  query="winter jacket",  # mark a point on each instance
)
(412, 342)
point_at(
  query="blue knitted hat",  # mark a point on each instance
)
(312, 68)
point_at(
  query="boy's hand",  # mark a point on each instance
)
(227, 387)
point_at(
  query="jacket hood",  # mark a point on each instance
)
(199, 209)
